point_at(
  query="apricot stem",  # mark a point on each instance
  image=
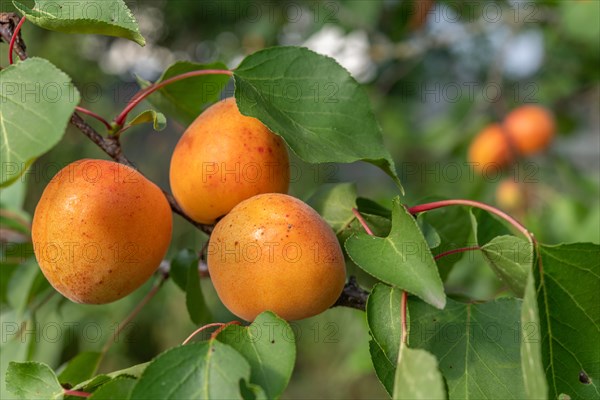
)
(201, 329)
(76, 393)
(362, 221)
(13, 39)
(93, 114)
(471, 203)
(454, 251)
(220, 329)
(142, 94)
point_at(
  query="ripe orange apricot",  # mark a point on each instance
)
(530, 128)
(273, 252)
(224, 158)
(490, 149)
(100, 230)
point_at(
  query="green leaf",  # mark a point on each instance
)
(431, 235)
(383, 317)
(324, 117)
(477, 346)
(536, 386)
(334, 202)
(99, 380)
(251, 391)
(372, 207)
(37, 102)
(106, 17)
(206, 370)
(184, 271)
(511, 258)
(158, 120)
(194, 299)
(180, 265)
(269, 346)
(567, 281)
(185, 100)
(451, 225)
(486, 226)
(33, 380)
(418, 376)
(384, 368)
(81, 368)
(118, 388)
(403, 258)
(380, 226)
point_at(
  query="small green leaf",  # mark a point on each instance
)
(269, 346)
(194, 299)
(118, 388)
(431, 235)
(486, 226)
(33, 380)
(81, 368)
(106, 17)
(403, 258)
(323, 117)
(418, 376)
(92, 384)
(383, 317)
(372, 207)
(184, 271)
(536, 386)
(158, 120)
(510, 257)
(334, 202)
(451, 225)
(384, 368)
(567, 281)
(206, 370)
(180, 264)
(37, 102)
(185, 100)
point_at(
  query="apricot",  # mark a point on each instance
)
(100, 230)
(530, 128)
(273, 252)
(224, 158)
(490, 149)
(510, 195)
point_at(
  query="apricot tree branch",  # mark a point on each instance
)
(110, 145)
(352, 296)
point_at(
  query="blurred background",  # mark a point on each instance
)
(437, 72)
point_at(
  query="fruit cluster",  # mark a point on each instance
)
(101, 229)
(525, 131)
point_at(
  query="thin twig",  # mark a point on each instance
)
(471, 203)
(201, 329)
(15, 35)
(8, 24)
(220, 329)
(76, 393)
(93, 114)
(142, 94)
(362, 221)
(454, 251)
